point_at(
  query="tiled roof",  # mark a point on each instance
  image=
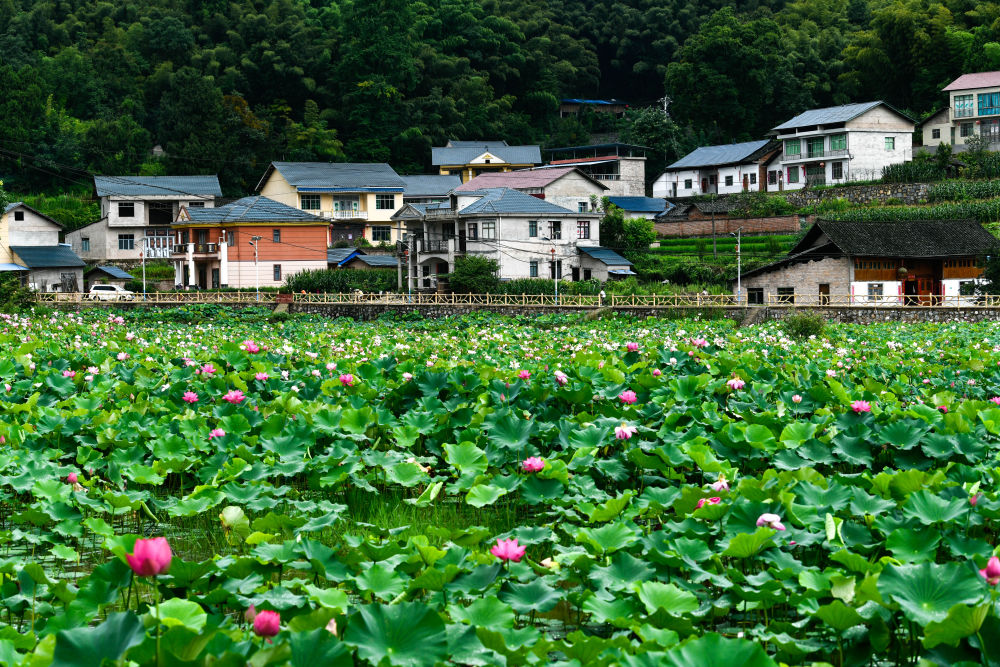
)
(974, 80)
(710, 156)
(337, 176)
(507, 201)
(918, 238)
(430, 185)
(641, 204)
(111, 271)
(605, 255)
(47, 256)
(378, 261)
(830, 115)
(252, 209)
(159, 186)
(341, 255)
(7, 266)
(527, 178)
(464, 152)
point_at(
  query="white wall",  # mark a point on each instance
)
(32, 230)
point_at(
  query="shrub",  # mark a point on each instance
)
(342, 280)
(918, 171)
(803, 325)
(475, 275)
(14, 297)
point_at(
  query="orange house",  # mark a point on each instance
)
(255, 241)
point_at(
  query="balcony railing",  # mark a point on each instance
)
(158, 253)
(816, 155)
(435, 246)
(606, 177)
(346, 215)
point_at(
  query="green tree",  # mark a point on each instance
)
(628, 235)
(475, 274)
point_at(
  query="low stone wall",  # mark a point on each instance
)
(907, 193)
(780, 224)
(372, 311)
(903, 315)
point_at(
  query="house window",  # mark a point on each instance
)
(687, 183)
(713, 179)
(755, 296)
(890, 143)
(196, 204)
(793, 147)
(587, 274)
(793, 175)
(489, 229)
(18, 216)
(772, 177)
(230, 239)
(989, 104)
(967, 130)
(126, 242)
(309, 202)
(555, 229)
(215, 279)
(555, 269)
(729, 180)
(385, 202)
(874, 291)
(838, 142)
(583, 229)
(345, 204)
(963, 106)
(532, 228)
(815, 147)
(753, 179)
(85, 244)
(473, 231)
(277, 272)
(276, 235)
(381, 233)
(936, 133)
(126, 209)
(786, 295)
(533, 269)
(581, 207)
(837, 170)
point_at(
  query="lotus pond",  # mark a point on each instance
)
(490, 491)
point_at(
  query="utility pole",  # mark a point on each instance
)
(254, 240)
(145, 249)
(715, 252)
(399, 256)
(739, 270)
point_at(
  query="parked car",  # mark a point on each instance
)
(110, 293)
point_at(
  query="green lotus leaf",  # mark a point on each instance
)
(713, 649)
(535, 595)
(745, 545)
(92, 645)
(483, 494)
(409, 634)
(178, 611)
(489, 612)
(609, 537)
(839, 616)
(961, 622)
(926, 592)
(381, 581)
(668, 597)
(929, 508)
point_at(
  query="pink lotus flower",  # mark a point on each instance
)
(208, 369)
(532, 464)
(996, 399)
(721, 484)
(234, 396)
(347, 380)
(250, 614)
(657, 372)
(331, 627)
(524, 375)
(121, 356)
(943, 409)
(861, 406)
(150, 557)
(331, 366)
(708, 501)
(735, 383)
(72, 478)
(190, 397)
(628, 397)
(262, 377)
(561, 378)
(508, 550)
(771, 521)
(69, 374)
(991, 573)
(632, 347)
(796, 399)
(624, 432)
(216, 433)
(407, 377)
(267, 623)
(699, 342)
(251, 347)
(973, 500)
(93, 369)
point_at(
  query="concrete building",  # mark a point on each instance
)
(428, 188)
(936, 129)
(468, 159)
(973, 110)
(214, 247)
(835, 145)
(621, 168)
(29, 246)
(136, 212)
(527, 236)
(568, 187)
(642, 207)
(109, 274)
(363, 195)
(722, 169)
(888, 263)
(572, 106)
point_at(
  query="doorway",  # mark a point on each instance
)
(824, 294)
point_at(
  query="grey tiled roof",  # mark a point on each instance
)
(830, 115)
(378, 261)
(605, 255)
(159, 186)
(918, 238)
(338, 176)
(430, 185)
(112, 271)
(463, 152)
(505, 200)
(45, 256)
(710, 156)
(252, 209)
(340, 255)
(641, 204)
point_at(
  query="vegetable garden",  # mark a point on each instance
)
(489, 491)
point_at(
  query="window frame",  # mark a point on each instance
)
(688, 183)
(533, 268)
(836, 171)
(555, 230)
(583, 229)
(964, 106)
(729, 180)
(793, 147)
(311, 198)
(275, 236)
(838, 142)
(122, 206)
(381, 231)
(276, 272)
(84, 244)
(890, 143)
(532, 229)
(380, 201)
(488, 230)
(126, 240)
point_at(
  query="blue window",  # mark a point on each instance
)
(989, 104)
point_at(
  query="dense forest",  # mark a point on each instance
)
(224, 86)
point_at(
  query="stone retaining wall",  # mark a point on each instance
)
(907, 193)
(779, 224)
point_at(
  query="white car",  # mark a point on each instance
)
(110, 293)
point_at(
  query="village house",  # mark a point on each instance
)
(973, 110)
(853, 142)
(642, 207)
(357, 199)
(428, 188)
(723, 169)
(215, 247)
(621, 168)
(106, 275)
(527, 236)
(30, 247)
(563, 186)
(468, 159)
(354, 258)
(572, 106)
(136, 213)
(888, 263)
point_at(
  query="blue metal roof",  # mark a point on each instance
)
(508, 201)
(378, 261)
(252, 209)
(337, 176)
(111, 271)
(339, 256)
(464, 152)
(430, 185)
(47, 256)
(605, 255)
(711, 156)
(158, 186)
(6, 266)
(641, 204)
(577, 100)
(829, 115)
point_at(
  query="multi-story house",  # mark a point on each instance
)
(136, 213)
(358, 196)
(621, 168)
(853, 142)
(722, 169)
(527, 236)
(973, 110)
(29, 246)
(468, 159)
(252, 241)
(428, 188)
(563, 186)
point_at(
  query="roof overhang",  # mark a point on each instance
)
(321, 189)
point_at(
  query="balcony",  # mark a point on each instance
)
(198, 249)
(816, 155)
(158, 252)
(346, 215)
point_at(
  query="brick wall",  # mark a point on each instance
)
(806, 277)
(781, 224)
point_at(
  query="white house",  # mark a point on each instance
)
(834, 145)
(29, 246)
(563, 186)
(619, 167)
(723, 169)
(973, 110)
(136, 212)
(527, 236)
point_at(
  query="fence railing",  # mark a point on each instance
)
(541, 300)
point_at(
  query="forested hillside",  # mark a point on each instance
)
(225, 86)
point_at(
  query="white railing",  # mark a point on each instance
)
(347, 215)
